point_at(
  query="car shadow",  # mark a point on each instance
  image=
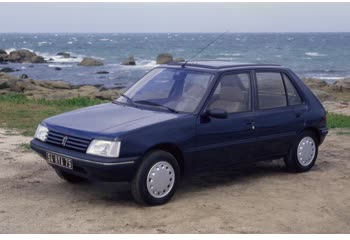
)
(231, 175)
(119, 193)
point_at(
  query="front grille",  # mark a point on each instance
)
(75, 143)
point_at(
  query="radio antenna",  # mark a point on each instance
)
(200, 51)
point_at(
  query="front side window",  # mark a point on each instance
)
(271, 92)
(177, 89)
(232, 94)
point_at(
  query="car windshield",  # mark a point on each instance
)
(176, 90)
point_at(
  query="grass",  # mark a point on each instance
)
(338, 121)
(23, 114)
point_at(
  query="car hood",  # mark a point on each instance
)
(105, 119)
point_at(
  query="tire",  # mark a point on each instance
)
(156, 179)
(307, 156)
(70, 177)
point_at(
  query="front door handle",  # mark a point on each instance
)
(251, 124)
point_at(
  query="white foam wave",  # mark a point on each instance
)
(231, 54)
(104, 39)
(10, 50)
(314, 54)
(60, 59)
(60, 65)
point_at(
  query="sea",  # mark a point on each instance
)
(319, 55)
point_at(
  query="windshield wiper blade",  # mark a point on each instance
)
(128, 99)
(145, 102)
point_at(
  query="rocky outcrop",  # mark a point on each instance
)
(53, 89)
(164, 58)
(177, 60)
(37, 59)
(315, 82)
(129, 62)
(63, 54)
(21, 56)
(88, 62)
(7, 70)
(322, 95)
(343, 85)
(102, 72)
(2, 51)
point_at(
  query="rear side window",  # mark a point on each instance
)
(271, 92)
(292, 93)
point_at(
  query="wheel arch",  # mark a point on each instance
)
(174, 150)
(315, 131)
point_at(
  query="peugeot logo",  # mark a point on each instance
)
(64, 141)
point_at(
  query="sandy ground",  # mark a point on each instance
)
(259, 199)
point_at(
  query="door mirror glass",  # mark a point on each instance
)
(216, 113)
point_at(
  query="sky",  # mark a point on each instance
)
(175, 17)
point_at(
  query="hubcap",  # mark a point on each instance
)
(160, 179)
(306, 151)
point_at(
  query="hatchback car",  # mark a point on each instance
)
(183, 118)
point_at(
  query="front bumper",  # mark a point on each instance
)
(89, 166)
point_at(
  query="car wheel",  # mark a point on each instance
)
(303, 155)
(70, 177)
(156, 179)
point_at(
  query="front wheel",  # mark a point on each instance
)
(303, 154)
(156, 179)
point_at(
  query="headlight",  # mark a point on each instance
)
(41, 133)
(104, 148)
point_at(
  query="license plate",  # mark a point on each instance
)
(59, 160)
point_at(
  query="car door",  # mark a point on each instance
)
(279, 114)
(228, 140)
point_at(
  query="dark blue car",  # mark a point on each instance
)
(184, 118)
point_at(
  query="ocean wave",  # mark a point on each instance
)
(61, 59)
(60, 65)
(231, 54)
(10, 50)
(314, 54)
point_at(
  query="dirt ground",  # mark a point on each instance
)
(259, 199)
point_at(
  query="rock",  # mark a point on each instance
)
(37, 59)
(23, 76)
(344, 85)
(102, 72)
(7, 70)
(22, 55)
(129, 62)
(322, 95)
(88, 91)
(179, 60)
(4, 84)
(2, 51)
(164, 58)
(63, 54)
(108, 95)
(337, 107)
(90, 62)
(54, 84)
(315, 83)
(58, 68)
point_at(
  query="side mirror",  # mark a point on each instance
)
(216, 113)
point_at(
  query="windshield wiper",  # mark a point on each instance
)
(128, 99)
(145, 102)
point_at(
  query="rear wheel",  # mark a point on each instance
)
(156, 179)
(70, 177)
(303, 154)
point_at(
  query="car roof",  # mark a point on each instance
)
(222, 65)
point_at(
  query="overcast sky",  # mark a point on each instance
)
(175, 17)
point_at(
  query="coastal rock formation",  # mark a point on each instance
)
(7, 70)
(102, 72)
(21, 56)
(88, 62)
(63, 54)
(164, 58)
(315, 82)
(53, 89)
(129, 61)
(37, 59)
(179, 60)
(343, 85)
(322, 95)
(2, 51)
